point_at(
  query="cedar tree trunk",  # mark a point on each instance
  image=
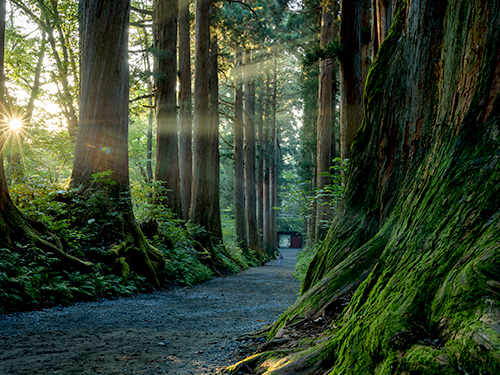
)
(407, 280)
(239, 174)
(167, 152)
(249, 126)
(326, 109)
(100, 169)
(185, 103)
(351, 91)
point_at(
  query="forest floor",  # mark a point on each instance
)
(195, 330)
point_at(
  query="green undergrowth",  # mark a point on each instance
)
(304, 259)
(31, 278)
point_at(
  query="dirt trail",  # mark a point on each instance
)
(179, 331)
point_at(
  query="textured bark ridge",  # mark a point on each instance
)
(415, 248)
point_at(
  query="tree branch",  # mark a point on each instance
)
(142, 11)
(242, 3)
(145, 96)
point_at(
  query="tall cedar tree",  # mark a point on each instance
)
(215, 226)
(408, 274)
(351, 76)
(185, 104)
(249, 126)
(239, 172)
(205, 198)
(167, 155)
(101, 144)
(260, 171)
(326, 114)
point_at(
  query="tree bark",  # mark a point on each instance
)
(249, 126)
(167, 152)
(366, 44)
(381, 22)
(351, 91)
(215, 227)
(267, 200)
(102, 141)
(185, 103)
(100, 169)
(260, 173)
(239, 171)
(325, 131)
(199, 212)
(273, 165)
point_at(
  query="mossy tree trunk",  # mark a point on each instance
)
(415, 246)
(100, 170)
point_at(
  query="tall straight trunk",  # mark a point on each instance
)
(167, 154)
(382, 12)
(267, 201)
(102, 140)
(185, 104)
(199, 212)
(260, 172)
(273, 166)
(249, 126)
(325, 132)
(214, 166)
(351, 94)
(239, 172)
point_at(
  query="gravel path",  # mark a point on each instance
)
(178, 331)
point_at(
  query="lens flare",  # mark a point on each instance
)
(15, 124)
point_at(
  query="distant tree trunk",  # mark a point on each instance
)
(100, 168)
(260, 173)
(200, 211)
(215, 227)
(381, 22)
(325, 131)
(267, 200)
(249, 126)
(366, 13)
(167, 154)
(273, 168)
(185, 103)
(351, 92)
(239, 172)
